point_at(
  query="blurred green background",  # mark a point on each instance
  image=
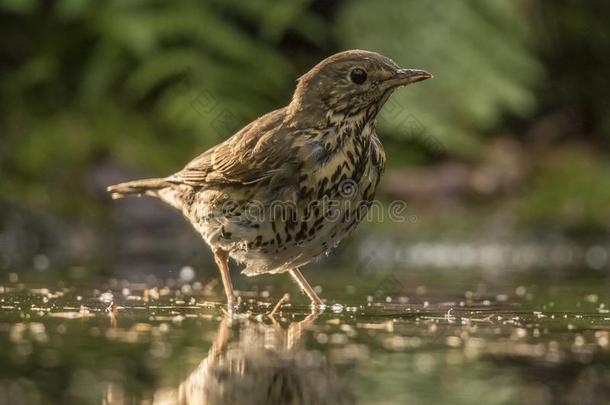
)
(493, 289)
(510, 139)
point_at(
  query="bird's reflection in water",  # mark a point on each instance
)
(252, 362)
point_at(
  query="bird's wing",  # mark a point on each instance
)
(258, 152)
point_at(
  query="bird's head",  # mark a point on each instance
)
(351, 81)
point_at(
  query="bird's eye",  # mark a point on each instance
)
(358, 75)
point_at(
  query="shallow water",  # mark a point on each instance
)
(413, 339)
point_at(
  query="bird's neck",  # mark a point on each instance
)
(352, 119)
(333, 129)
(344, 131)
(317, 114)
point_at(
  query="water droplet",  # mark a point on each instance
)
(187, 273)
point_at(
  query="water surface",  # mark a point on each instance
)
(382, 340)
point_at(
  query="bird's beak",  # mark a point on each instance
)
(402, 77)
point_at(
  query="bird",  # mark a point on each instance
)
(288, 187)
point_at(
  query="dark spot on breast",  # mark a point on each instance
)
(322, 187)
(336, 174)
(374, 159)
(318, 221)
(305, 192)
(350, 156)
(302, 232)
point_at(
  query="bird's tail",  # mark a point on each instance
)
(138, 188)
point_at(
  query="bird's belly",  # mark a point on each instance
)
(290, 235)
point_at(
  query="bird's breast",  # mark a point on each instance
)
(349, 157)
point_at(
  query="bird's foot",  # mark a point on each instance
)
(232, 307)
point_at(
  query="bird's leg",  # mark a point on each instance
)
(316, 302)
(222, 261)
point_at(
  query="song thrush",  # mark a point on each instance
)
(292, 184)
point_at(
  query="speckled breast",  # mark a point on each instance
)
(272, 234)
